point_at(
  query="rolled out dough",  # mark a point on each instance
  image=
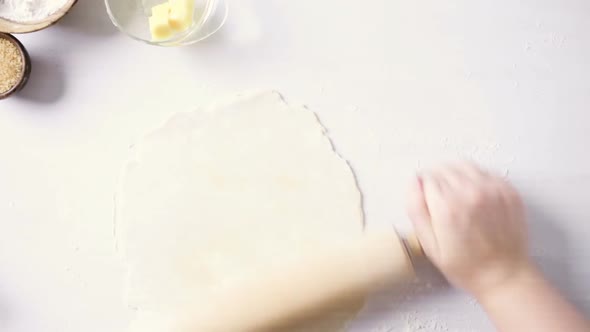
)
(216, 195)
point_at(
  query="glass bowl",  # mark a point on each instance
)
(132, 18)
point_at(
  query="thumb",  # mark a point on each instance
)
(420, 217)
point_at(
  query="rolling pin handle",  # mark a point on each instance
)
(413, 247)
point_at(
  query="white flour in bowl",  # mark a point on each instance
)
(26, 11)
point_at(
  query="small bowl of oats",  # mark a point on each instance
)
(15, 65)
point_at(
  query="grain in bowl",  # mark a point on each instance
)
(15, 65)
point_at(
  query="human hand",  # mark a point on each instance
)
(471, 225)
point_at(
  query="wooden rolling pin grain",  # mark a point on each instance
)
(334, 273)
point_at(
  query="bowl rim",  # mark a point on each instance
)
(25, 70)
(27, 27)
(223, 4)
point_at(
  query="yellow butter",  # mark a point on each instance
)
(159, 26)
(181, 14)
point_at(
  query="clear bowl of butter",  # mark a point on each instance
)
(168, 22)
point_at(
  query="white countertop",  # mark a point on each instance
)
(400, 85)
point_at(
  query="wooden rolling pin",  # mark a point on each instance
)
(336, 272)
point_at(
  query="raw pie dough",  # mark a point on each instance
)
(216, 195)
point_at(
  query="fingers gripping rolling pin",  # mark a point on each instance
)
(336, 271)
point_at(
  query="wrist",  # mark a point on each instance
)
(526, 275)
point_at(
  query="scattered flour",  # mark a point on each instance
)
(26, 11)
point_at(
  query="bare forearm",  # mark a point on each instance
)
(531, 303)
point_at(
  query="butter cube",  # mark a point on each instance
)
(181, 14)
(159, 26)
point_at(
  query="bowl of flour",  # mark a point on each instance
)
(20, 16)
